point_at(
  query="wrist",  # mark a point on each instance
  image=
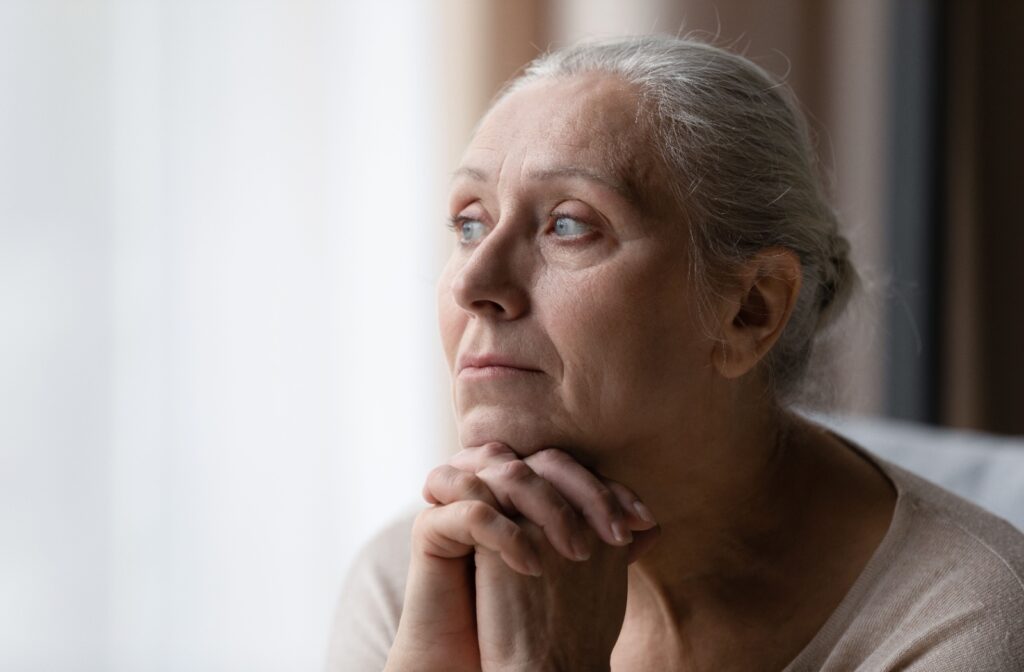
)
(420, 664)
(428, 659)
(551, 666)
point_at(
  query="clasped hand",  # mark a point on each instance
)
(520, 564)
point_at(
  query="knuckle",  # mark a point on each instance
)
(472, 486)
(516, 535)
(421, 524)
(437, 473)
(606, 499)
(460, 480)
(551, 460)
(463, 457)
(619, 490)
(477, 513)
(515, 470)
(493, 450)
(556, 453)
(549, 456)
(566, 514)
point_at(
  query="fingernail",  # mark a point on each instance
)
(643, 512)
(620, 533)
(580, 548)
(533, 565)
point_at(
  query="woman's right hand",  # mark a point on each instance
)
(477, 496)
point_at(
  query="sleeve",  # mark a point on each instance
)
(366, 618)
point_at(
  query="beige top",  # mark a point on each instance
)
(944, 591)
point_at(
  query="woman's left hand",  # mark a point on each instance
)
(570, 617)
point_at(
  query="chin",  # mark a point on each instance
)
(524, 433)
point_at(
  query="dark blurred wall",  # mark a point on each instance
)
(983, 385)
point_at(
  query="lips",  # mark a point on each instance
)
(492, 361)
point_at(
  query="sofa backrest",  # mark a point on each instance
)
(983, 468)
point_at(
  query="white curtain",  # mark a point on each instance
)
(218, 242)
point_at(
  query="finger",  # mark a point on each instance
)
(456, 530)
(586, 492)
(478, 458)
(446, 484)
(643, 541)
(638, 516)
(520, 490)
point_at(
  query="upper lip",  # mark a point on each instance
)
(490, 359)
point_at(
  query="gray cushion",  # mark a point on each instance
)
(983, 468)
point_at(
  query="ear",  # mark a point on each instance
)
(756, 309)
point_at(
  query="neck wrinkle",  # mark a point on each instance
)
(719, 532)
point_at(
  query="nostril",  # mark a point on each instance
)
(492, 306)
(488, 308)
(505, 303)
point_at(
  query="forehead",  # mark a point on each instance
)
(590, 122)
(585, 108)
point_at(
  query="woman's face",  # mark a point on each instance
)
(566, 313)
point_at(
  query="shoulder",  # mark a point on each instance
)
(367, 614)
(952, 593)
(961, 534)
(946, 532)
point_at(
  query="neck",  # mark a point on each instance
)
(720, 496)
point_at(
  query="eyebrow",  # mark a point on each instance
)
(624, 189)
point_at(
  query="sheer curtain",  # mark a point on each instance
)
(219, 237)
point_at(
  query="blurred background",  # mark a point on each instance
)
(220, 227)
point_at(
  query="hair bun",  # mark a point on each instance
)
(838, 279)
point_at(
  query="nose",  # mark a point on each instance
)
(493, 281)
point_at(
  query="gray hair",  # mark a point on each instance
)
(742, 167)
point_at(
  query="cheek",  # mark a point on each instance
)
(451, 319)
(629, 343)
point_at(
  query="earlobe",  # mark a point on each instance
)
(756, 312)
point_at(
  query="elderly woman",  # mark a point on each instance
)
(644, 259)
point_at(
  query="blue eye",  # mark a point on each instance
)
(569, 227)
(469, 230)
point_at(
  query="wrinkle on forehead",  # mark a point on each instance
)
(590, 122)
